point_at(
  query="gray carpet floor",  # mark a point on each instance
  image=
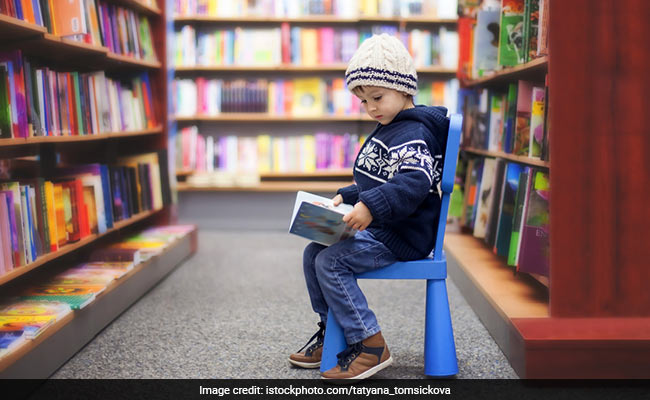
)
(239, 307)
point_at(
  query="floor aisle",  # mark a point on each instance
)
(239, 306)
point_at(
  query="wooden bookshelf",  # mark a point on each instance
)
(292, 69)
(511, 157)
(319, 19)
(595, 323)
(76, 139)
(326, 173)
(42, 356)
(276, 186)
(18, 29)
(534, 69)
(68, 248)
(264, 117)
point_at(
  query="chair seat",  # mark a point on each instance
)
(427, 268)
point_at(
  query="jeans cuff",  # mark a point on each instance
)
(366, 335)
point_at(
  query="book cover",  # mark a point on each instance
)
(63, 290)
(486, 42)
(509, 119)
(521, 140)
(32, 326)
(36, 308)
(535, 251)
(504, 226)
(486, 194)
(6, 236)
(517, 220)
(537, 122)
(82, 277)
(11, 339)
(116, 254)
(315, 218)
(495, 206)
(511, 38)
(497, 106)
(76, 302)
(308, 97)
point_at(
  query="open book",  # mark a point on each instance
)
(315, 218)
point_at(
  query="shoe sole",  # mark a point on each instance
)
(362, 375)
(305, 364)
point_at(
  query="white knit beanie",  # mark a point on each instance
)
(382, 60)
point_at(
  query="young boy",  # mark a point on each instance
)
(396, 205)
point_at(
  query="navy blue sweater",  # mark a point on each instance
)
(396, 175)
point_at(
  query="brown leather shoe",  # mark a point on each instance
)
(360, 360)
(310, 358)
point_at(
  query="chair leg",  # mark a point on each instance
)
(333, 344)
(439, 347)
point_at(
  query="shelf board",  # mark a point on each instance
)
(139, 6)
(328, 19)
(264, 117)
(533, 69)
(326, 173)
(76, 139)
(40, 357)
(16, 272)
(311, 186)
(514, 309)
(18, 29)
(292, 68)
(131, 61)
(511, 157)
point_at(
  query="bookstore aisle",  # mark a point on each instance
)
(239, 306)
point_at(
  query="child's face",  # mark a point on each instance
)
(382, 104)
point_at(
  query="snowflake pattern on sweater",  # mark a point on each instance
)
(381, 163)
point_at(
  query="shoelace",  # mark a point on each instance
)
(349, 354)
(318, 336)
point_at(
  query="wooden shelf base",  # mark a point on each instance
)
(514, 309)
(44, 355)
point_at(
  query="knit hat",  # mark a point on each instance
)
(382, 60)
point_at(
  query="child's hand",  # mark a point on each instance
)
(338, 199)
(359, 218)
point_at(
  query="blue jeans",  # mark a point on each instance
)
(329, 272)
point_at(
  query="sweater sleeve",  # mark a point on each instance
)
(414, 172)
(350, 194)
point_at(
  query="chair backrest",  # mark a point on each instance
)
(448, 178)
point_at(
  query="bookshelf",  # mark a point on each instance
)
(41, 357)
(593, 319)
(253, 123)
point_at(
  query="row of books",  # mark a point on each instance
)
(507, 205)
(297, 97)
(91, 21)
(123, 31)
(299, 8)
(40, 215)
(496, 37)
(513, 122)
(35, 308)
(38, 101)
(265, 153)
(306, 46)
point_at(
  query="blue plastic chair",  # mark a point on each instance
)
(439, 347)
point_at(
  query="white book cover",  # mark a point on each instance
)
(316, 218)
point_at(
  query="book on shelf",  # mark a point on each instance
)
(485, 197)
(511, 37)
(506, 213)
(537, 122)
(521, 139)
(518, 216)
(316, 218)
(534, 254)
(116, 254)
(486, 42)
(32, 326)
(495, 205)
(531, 29)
